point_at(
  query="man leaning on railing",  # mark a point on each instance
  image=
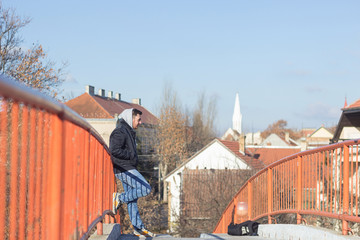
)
(125, 160)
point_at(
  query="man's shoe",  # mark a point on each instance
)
(116, 202)
(143, 232)
(137, 233)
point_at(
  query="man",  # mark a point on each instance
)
(125, 160)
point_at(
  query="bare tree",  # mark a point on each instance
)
(180, 134)
(10, 39)
(171, 137)
(279, 128)
(30, 67)
(202, 129)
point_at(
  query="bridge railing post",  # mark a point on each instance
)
(269, 193)
(100, 187)
(299, 191)
(346, 160)
(55, 188)
(250, 199)
(14, 167)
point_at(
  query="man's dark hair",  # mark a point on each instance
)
(136, 112)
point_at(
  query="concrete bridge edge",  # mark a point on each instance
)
(293, 231)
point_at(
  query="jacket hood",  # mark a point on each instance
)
(126, 115)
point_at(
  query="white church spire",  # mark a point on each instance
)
(237, 117)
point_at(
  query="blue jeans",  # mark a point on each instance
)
(135, 186)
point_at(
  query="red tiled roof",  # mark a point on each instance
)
(233, 146)
(89, 106)
(270, 155)
(354, 105)
(307, 131)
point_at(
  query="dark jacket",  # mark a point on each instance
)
(123, 147)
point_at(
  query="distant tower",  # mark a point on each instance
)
(237, 117)
(345, 104)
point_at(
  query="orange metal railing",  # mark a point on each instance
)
(322, 182)
(55, 171)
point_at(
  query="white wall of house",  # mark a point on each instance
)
(213, 156)
(319, 138)
(274, 140)
(350, 133)
(322, 133)
(216, 156)
(253, 138)
(103, 126)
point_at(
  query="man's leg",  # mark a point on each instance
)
(135, 215)
(135, 186)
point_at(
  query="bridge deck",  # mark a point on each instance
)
(266, 231)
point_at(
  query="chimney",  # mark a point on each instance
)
(101, 92)
(136, 101)
(118, 96)
(89, 89)
(303, 144)
(242, 143)
(110, 94)
(287, 137)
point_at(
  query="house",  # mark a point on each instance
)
(349, 123)
(273, 148)
(101, 112)
(253, 138)
(217, 155)
(231, 135)
(250, 138)
(312, 138)
(320, 137)
(267, 150)
(306, 132)
(274, 140)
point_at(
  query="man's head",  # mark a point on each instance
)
(136, 118)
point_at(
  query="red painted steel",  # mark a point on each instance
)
(46, 160)
(298, 188)
(322, 182)
(38, 173)
(55, 200)
(31, 178)
(22, 174)
(269, 194)
(55, 170)
(85, 194)
(345, 197)
(14, 169)
(249, 200)
(3, 162)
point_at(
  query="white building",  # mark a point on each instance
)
(237, 117)
(320, 137)
(101, 112)
(349, 123)
(218, 154)
(234, 133)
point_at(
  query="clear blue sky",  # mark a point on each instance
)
(291, 60)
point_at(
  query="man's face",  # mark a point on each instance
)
(136, 121)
